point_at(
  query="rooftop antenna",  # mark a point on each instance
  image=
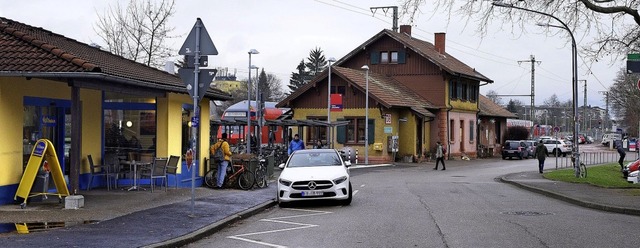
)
(385, 9)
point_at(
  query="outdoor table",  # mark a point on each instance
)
(135, 165)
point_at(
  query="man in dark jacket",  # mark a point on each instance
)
(622, 154)
(541, 154)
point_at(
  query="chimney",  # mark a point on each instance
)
(439, 42)
(405, 29)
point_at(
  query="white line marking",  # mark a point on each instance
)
(362, 186)
(277, 220)
(355, 192)
(256, 242)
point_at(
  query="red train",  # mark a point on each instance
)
(239, 111)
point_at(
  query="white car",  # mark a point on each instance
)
(556, 147)
(314, 174)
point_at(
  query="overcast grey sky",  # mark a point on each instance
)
(284, 31)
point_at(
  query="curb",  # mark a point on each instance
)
(213, 227)
(578, 202)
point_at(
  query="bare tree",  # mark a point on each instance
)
(138, 31)
(624, 97)
(615, 25)
(270, 87)
(493, 95)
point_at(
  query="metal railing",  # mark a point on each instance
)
(591, 158)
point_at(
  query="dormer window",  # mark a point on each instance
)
(384, 57)
(394, 57)
(388, 57)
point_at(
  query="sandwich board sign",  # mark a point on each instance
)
(43, 156)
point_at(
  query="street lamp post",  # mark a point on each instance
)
(258, 132)
(329, 133)
(574, 67)
(248, 139)
(366, 116)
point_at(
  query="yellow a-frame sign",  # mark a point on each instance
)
(42, 151)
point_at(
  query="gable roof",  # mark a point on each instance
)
(385, 90)
(489, 108)
(31, 51)
(427, 50)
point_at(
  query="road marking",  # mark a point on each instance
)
(355, 192)
(242, 237)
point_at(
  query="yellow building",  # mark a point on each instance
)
(88, 102)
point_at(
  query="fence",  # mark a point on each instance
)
(591, 158)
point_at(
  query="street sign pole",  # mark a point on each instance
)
(198, 43)
(196, 115)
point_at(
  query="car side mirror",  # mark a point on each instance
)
(281, 166)
(347, 163)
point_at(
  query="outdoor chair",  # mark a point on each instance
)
(172, 168)
(106, 170)
(158, 170)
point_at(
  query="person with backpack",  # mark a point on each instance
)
(221, 155)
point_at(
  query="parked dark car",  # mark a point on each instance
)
(531, 147)
(514, 149)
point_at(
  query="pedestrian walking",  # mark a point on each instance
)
(222, 146)
(439, 155)
(541, 154)
(622, 154)
(296, 144)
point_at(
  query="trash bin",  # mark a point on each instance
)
(271, 162)
(40, 185)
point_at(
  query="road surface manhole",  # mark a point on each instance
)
(526, 213)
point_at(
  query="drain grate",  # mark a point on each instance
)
(526, 213)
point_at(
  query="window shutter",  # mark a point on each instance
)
(375, 57)
(402, 55)
(341, 133)
(372, 130)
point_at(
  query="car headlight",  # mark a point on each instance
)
(339, 180)
(284, 182)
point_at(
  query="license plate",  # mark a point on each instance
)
(311, 193)
(510, 151)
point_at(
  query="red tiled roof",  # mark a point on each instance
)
(426, 50)
(489, 108)
(385, 90)
(25, 48)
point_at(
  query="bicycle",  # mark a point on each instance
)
(236, 173)
(261, 177)
(582, 167)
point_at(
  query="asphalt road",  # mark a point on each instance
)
(415, 206)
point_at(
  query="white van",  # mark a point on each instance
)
(610, 137)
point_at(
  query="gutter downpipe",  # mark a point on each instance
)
(449, 108)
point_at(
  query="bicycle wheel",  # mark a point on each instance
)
(245, 180)
(583, 170)
(261, 176)
(210, 178)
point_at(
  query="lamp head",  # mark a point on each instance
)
(331, 59)
(365, 67)
(254, 67)
(253, 51)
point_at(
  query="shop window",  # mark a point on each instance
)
(354, 132)
(471, 130)
(315, 133)
(129, 126)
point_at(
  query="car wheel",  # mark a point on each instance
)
(347, 202)
(504, 158)
(520, 157)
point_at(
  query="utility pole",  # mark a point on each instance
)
(606, 110)
(533, 61)
(584, 108)
(385, 9)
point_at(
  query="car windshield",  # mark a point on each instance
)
(308, 159)
(514, 145)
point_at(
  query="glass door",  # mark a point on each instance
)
(47, 119)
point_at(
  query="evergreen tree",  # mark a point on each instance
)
(298, 79)
(316, 62)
